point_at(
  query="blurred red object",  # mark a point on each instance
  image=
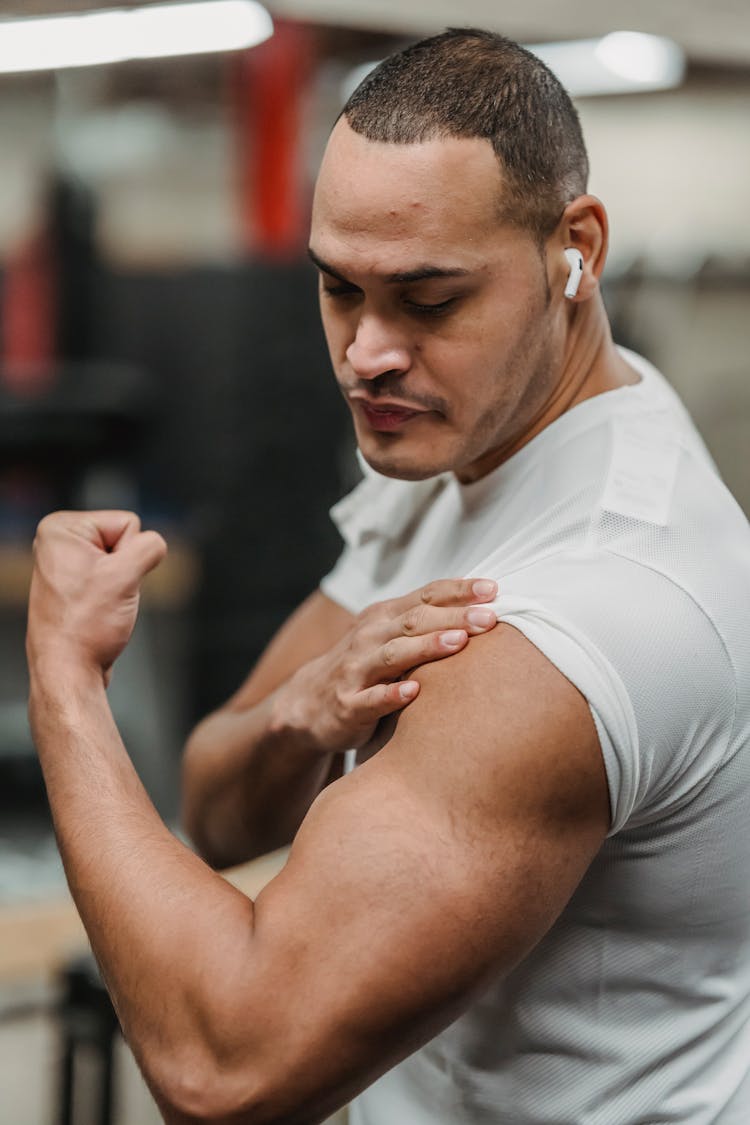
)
(28, 309)
(269, 85)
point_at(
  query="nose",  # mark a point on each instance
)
(377, 349)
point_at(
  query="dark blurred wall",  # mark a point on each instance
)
(248, 451)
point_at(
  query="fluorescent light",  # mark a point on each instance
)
(622, 62)
(158, 31)
(641, 59)
(198, 28)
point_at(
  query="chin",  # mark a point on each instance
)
(400, 465)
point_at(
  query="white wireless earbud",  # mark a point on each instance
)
(575, 261)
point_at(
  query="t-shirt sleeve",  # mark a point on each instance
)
(649, 662)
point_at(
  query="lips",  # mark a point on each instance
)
(387, 416)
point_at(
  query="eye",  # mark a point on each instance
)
(341, 290)
(439, 309)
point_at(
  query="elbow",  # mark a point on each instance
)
(246, 1078)
(213, 1097)
(225, 1071)
(194, 1090)
(188, 1103)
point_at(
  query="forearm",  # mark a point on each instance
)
(247, 782)
(165, 929)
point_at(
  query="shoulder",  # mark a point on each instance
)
(499, 728)
(658, 673)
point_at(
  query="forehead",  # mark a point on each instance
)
(436, 197)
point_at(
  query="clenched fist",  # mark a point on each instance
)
(83, 604)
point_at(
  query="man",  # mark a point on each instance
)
(528, 903)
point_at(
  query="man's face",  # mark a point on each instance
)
(442, 333)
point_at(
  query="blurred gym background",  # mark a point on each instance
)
(160, 350)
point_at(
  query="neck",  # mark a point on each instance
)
(591, 365)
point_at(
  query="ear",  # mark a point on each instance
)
(585, 227)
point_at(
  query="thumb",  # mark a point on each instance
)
(141, 552)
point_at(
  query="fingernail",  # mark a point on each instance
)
(453, 638)
(483, 587)
(408, 690)
(482, 618)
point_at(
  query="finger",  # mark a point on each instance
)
(448, 592)
(400, 654)
(383, 699)
(142, 552)
(115, 526)
(458, 591)
(389, 662)
(421, 620)
(83, 525)
(103, 529)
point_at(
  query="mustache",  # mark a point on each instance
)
(383, 388)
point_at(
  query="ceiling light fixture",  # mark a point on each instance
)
(121, 34)
(623, 62)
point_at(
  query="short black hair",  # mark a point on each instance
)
(468, 82)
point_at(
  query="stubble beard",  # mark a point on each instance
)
(498, 432)
(504, 430)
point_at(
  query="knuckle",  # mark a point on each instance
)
(48, 524)
(412, 621)
(429, 594)
(372, 697)
(387, 697)
(388, 654)
(341, 704)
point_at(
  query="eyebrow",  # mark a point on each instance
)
(403, 277)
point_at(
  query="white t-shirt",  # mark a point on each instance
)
(620, 554)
